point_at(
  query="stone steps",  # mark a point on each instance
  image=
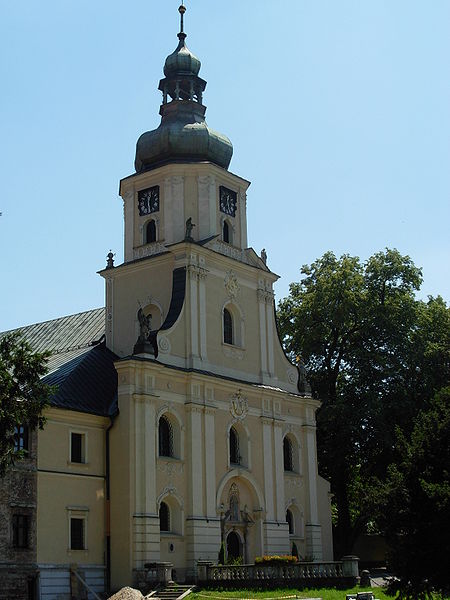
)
(172, 591)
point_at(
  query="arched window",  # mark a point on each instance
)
(235, 459)
(287, 454)
(226, 233)
(150, 232)
(290, 521)
(165, 437)
(164, 517)
(227, 327)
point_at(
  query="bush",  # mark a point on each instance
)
(276, 560)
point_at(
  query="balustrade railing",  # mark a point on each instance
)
(346, 569)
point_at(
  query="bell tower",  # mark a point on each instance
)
(207, 296)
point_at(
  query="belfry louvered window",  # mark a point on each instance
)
(151, 232)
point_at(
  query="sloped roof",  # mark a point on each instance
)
(80, 365)
(60, 335)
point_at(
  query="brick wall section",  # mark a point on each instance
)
(18, 495)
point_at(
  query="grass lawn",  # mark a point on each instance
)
(324, 593)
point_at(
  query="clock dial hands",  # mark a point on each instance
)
(227, 201)
(148, 200)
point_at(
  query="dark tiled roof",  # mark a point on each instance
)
(80, 365)
(86, 381)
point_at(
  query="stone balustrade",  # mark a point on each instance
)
(341, 573)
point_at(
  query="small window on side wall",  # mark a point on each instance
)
(77, 447)
(21, 438)
(150, 232)
(20, 529)
(77, 533)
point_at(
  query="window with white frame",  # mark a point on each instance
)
(77, 521)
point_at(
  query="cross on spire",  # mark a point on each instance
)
(182, 10)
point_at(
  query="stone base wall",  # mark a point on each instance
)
(276, 538)
(18, 582)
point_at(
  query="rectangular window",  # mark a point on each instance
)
(77, 449)
(76, 534)
(21, 438)
(20, 531)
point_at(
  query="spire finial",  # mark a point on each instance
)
(182, 10)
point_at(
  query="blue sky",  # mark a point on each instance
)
(338, 112)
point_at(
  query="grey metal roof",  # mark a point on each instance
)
(80, 366)
(71, 332)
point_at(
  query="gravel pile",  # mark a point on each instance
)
(127, 593)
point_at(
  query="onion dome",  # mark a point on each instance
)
(183, 135)
(182, 60)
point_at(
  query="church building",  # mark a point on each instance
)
(179, 424)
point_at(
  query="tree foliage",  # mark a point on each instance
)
(375, 356)
(23, 395)
(414, 505)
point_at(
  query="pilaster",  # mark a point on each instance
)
(312, 528)
(268, 468)
(279, 471)
(210, 462)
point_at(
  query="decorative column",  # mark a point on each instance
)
(313, 528)
(210, 462)
(262, 331)
(128, 215)
(202, 273)
(276, 540)
(146, 547)
(193, 328)
(279, 471)
(196, 522)
(270, 332)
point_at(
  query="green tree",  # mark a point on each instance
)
(23, 395)
(415, 504)
(374, 355)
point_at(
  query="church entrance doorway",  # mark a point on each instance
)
(234, 546)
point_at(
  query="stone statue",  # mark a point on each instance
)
(145, 325)
(189, 227)
(110, 260)
(146, 342)
(264, 256)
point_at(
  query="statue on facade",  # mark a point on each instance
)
(144, 345)
(264, 256)
(110, 260)
(189, 227)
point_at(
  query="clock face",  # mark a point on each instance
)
(148, 200)
(227, 201)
